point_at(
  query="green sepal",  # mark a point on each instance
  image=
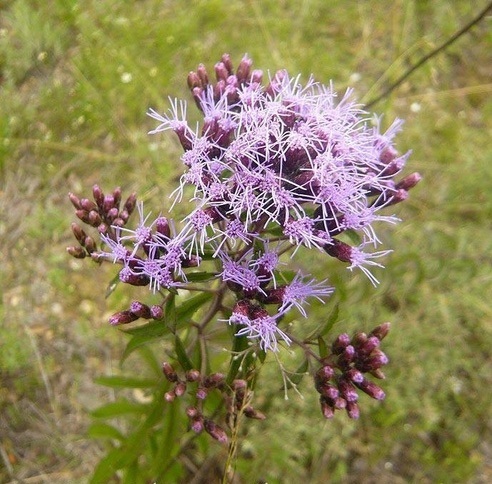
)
(181, 354)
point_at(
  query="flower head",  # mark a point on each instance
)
(285, 158)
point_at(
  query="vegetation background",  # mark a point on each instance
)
(76, 79)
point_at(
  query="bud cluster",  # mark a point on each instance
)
(338, 380)
(239, 402)
(104, 213)
(136, 311)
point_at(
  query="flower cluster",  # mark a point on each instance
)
(342, 373)
(284, 158)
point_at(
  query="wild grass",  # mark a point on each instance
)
(76, 79)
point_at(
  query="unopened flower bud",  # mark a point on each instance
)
(103, 228)
(399, 196)
(218, 433)
(124, 216)
(197, 425)
(169, 396)
(140, 309)
(117, 196)
(409, 181)
(191, 261)
(221, 73)
(77, 252)
(373, 362)
(347, 390)
(214, 380)
(354, 375)
(111, 214)
(94, 218)
(381, 331)
(352, 410)
(98, 195)
(87, 204)
(90, 244)
(75, 200)
(347, 356)
(193, 80)
(192, 375)
(378, 374)
(202, 75)
(274, 295)
(79, 233)
(130, 203)
(169, 372)
(156, 312)
(123, 317)
(327, 409)
(339, 403)
(329, 391)
(359, 339)
(325, 373)
(108, 203)
(250, 412)
(244, 69)
(118, 222)
(368, 347)
(180, 389)
(257, 76)
(388, 154)
(226, 60)
(201, 393)
(82, 215)
(242, 308)
(162, 227)
(192, 412)
(340, 343)
(373, 390)
(338, 249)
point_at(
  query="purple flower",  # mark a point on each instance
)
(297, 292)
(257, 323)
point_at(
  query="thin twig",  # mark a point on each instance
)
(431, 54)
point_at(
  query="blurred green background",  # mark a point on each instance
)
(76, 79)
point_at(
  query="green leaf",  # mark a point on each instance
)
(200, 276)
(323, 348)
(142, 335)
(261, 355)
(125, 455)
(181, 355)
(148, 356)
(329, 323)
(186, 310)
(239, 344)
(113, 284)
(353, 236)
(118, 381)
(104, 430)
(121, 407)
(170, 312)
